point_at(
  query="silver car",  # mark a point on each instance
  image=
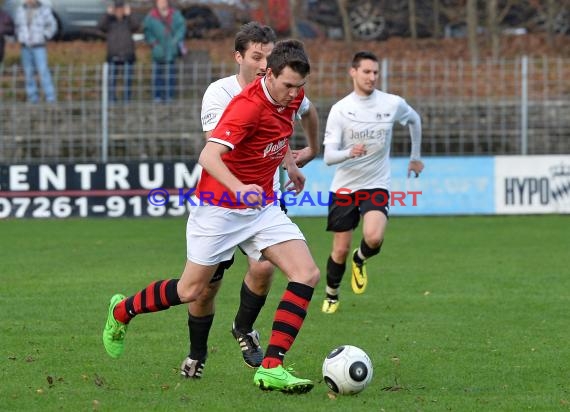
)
(74, 17)
(79, 17)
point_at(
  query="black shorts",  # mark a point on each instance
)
(223, 266)
(345, 209)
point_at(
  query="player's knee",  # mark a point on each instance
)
(259, 285)
(340, 253)
(260, 275)
(312, 276)
(189, 293)
(208, 294)
(374, 240)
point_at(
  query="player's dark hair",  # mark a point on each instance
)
(289, 53)
(363, 55)
(253, 32)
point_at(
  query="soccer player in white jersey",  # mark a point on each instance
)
(358, 136)
(253, 44)
(236, 209)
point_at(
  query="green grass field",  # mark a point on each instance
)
(461, 314)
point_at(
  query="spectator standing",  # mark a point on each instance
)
(6, 29)
(164, 31)
(119, 25)
(35, 25)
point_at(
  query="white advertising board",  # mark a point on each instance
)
(532, 184)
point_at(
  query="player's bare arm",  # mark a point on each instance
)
(296, 181)
(211, 161)
(310, 124)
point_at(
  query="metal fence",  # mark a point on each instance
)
(493, 107)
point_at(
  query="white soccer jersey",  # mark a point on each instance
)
(368, 120)
(217, 97)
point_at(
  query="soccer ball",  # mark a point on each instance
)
(347, 370)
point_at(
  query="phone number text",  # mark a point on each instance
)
(112, 206)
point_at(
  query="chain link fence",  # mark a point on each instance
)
(500, 107)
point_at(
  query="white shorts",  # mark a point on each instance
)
(213, 233)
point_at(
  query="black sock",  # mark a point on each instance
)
(198, 330)
(249, 307)
(366, 251)
(335, 272)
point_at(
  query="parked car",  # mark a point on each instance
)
(204, 18)
(365, 18)
(371, 19)
(74, 17)
(78, 18)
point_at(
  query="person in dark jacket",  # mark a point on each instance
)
(119, 25)
(6, 29)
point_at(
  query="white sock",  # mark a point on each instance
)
(331, 291)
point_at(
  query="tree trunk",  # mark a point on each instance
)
(472, 23)
(436, 22)
(550, 16)
(293, 19)
(342, 6)
(493, 28)
(413, 19)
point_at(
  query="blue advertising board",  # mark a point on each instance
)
(448, 186)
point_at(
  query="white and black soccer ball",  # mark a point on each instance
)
(347, 370)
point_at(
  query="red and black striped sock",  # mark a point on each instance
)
(157, 296)
(288, 320)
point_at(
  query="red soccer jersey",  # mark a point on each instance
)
(257, 131)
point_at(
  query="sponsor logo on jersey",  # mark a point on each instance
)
(273, 148)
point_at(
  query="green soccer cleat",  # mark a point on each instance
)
(330, 305)
(359, 278)
(280, 379)
(114, 332)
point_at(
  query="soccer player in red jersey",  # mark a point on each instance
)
(253, 44)
(238, 207)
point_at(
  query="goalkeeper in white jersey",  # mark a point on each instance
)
(357, 139)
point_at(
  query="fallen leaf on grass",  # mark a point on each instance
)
(99, 381)
(394, 388)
